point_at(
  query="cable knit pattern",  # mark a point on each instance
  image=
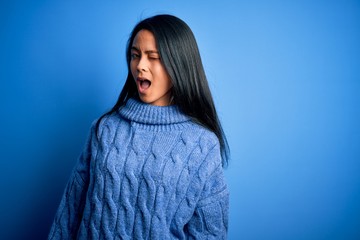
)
(150, 173)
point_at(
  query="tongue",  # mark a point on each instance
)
(145, 84)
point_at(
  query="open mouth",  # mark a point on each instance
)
(143, 83)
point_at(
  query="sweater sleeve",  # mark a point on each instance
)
(210, 219)
(69, 213)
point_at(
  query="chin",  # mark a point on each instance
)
(143, 99)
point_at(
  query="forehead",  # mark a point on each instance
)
(144, 40)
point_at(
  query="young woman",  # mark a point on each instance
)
(152, 167)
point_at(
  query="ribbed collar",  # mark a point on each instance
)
(137, 111)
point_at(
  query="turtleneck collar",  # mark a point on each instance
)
(137, 111)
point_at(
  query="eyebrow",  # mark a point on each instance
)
(147, 52)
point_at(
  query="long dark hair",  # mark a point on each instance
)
(180, 55)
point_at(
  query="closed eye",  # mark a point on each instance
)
(154, 57)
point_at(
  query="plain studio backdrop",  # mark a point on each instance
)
(285, 76)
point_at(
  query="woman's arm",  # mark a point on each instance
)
(69, 213)
(210, 219)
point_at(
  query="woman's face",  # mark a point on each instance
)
(152, 81)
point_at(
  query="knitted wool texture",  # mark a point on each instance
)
(150, 173)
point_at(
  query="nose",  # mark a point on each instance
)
(142, 65)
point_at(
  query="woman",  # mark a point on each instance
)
(152, 167)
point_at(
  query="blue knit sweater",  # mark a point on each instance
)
(149, 173)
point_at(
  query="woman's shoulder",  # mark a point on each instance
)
(206, 138)
(109, 119)
(207, 148)
(109, 122)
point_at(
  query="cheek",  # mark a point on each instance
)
(165, 78)
(133, 68)
(167, 81)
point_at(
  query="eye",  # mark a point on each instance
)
(134, 55)
(154, 56)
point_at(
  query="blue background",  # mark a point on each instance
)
(285, 76)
